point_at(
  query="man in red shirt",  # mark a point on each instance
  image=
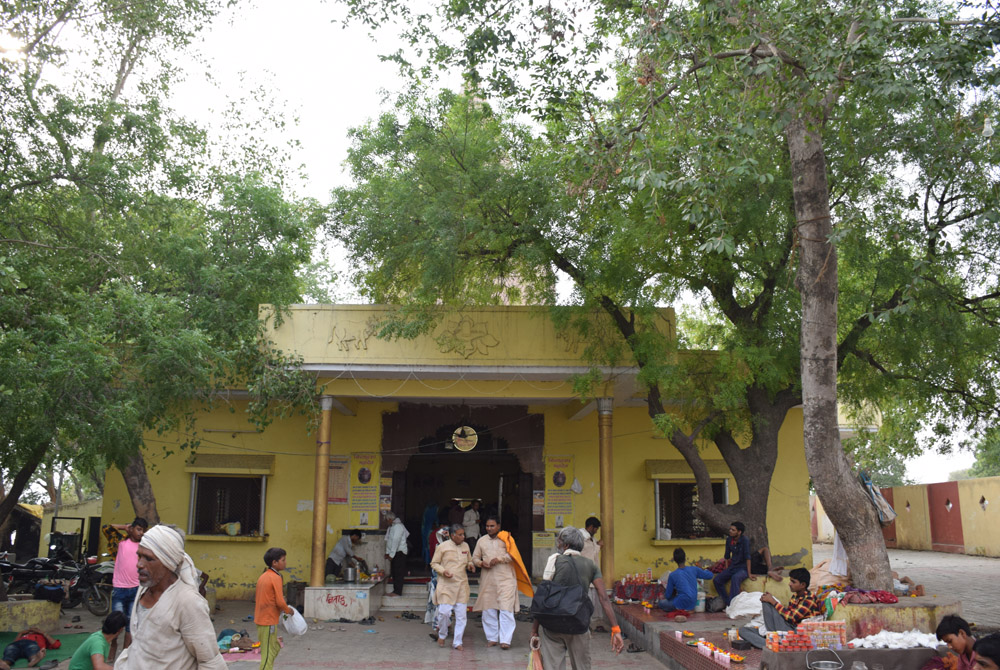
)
(269, 604)
(30, 644)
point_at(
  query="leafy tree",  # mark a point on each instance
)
(134, 251)
(987, 455)
(710, 147)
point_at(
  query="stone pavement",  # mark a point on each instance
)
(399, 643)
(402, 643)
(971, 579)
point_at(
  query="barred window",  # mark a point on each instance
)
(677, 507)
(227, 505)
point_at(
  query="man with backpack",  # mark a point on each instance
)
(569, 568)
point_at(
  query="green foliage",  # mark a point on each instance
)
(987, 455)
(658, 165)
(132, 262)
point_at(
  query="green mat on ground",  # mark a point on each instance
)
(70, 643)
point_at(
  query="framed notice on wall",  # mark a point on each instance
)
(364, 485)
(340, 473)
(558, 496)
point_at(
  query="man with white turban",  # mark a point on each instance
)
(171, 627)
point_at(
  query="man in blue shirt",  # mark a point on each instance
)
(738, 567)
(682, 584)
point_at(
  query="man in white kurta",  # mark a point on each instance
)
(497, 586)
(171, 627)
(592, 550)
(452, 560)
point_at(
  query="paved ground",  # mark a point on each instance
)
(972, 579)
(395, 643)
(398, 642)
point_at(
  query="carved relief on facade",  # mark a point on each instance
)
(352, 335)
(466, 338)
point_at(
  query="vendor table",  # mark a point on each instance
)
(889, 659)
(640, 592)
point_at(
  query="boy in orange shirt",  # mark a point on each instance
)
(269, 605)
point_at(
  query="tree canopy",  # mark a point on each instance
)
(763, 157)
(134, 250)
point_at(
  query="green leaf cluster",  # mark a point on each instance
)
(132, 261)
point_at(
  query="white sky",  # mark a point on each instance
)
(332, 80)
(327, 76)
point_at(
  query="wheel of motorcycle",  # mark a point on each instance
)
(72, 600)
(98, 601)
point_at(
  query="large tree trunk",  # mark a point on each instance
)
(20, 481)
(140, 490)
(841, 493)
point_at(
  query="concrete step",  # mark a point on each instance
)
(415, 602)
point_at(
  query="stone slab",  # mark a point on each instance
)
(16, 615)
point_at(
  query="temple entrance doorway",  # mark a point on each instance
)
(434, 483)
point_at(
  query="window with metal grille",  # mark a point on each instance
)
(677, 507)
(222, 501)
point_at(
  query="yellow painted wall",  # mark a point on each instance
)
(85, 509)
(980, 527)
(234, 564)
(913, 525)
(511, 337)
(481, 336)
(634, 501)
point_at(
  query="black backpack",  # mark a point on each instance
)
(563, 609)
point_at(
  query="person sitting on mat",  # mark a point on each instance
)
(682, 585)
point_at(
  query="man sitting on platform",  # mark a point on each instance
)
(778, 617)
(682, 585)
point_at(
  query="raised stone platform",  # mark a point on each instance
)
(923, 613)
(16, 615)
(351, 601)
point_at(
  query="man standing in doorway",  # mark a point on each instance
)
(125, 580)
(470, 521)
(395, 551)
(503, 575)
(451, 561)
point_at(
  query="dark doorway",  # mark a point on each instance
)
(435, 480)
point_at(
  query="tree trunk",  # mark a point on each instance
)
(842, 495)
(140, 490)
(21, 480)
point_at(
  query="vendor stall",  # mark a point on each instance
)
(888, 659)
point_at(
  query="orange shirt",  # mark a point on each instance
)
(269, 601)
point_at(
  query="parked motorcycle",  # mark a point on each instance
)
(92, 586)
(22, 577)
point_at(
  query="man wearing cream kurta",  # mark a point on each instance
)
(497, 586)
(171, 627)
(452, 559)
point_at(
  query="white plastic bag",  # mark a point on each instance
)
(294, 623)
